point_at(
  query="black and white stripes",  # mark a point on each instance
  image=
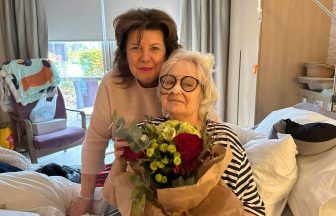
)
(238, 175)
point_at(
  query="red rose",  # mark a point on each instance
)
(189, 145)
(177, 170)
(129, 155)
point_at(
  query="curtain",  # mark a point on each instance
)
(205, 27)
(24, 29)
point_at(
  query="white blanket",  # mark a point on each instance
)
(38, 193)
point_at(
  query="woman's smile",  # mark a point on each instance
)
(145, 69)
(175, 100)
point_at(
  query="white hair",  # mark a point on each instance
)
(204, 68)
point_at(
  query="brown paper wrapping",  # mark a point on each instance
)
(209, 196)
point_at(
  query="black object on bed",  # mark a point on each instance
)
(73, 173)
(312, 138)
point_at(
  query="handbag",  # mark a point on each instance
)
(44, 110)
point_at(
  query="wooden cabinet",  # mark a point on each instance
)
(292, 32)
(289, 33)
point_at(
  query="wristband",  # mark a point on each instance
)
(81, 197)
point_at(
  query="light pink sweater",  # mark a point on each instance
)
(132, 103)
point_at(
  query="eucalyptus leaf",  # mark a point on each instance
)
(122, 133)
(136, 146)
(190, 181)
(119, 125)
(178, 182)
(114, 116)
(138, 204)
(135, 193)
(135, 133)
(136, 180)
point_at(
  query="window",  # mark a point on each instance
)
(82, 47)
(81, 67)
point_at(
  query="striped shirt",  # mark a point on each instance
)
(238, 175)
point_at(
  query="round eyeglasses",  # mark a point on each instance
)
(188, 83)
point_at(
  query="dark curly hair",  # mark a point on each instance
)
(141, 19)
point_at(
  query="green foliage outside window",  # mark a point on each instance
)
(92, 62)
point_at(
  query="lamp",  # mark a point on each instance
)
(333, 17)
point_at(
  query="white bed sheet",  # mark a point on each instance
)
(314, 193)
(41, 194)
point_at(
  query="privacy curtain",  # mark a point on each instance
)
(205, 28)
(24, 29)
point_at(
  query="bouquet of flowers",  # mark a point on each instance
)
(173, 168)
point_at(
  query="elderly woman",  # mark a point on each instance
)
(187, 93)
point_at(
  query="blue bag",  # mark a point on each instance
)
(44, 110)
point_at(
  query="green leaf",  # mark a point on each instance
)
(120, 124)
(122, 133)
(136, 180)
(139, 201)
(114, 116)
(178, 182)
(136, 146)
(190, 181)
(135, 132)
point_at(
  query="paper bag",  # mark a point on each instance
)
(209, 196)
(180, 199)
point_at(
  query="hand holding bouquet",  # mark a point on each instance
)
(173, 169)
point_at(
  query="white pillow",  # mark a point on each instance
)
(274, 168)
(38, 193)
(245, 135)
(314, 193)
(297, 115)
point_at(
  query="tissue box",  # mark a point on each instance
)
(56, 124)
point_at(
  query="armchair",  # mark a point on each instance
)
(44, 144)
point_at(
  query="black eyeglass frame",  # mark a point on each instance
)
(181, 81)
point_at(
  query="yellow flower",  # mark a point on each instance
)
(186, 127)
(154, 144)
(177, 161)
(171, 148)
(163, 147)
(150, 152)
(169, 133)
(164, 179)
(153, 166)
(170, 123)
(160, 164)
(161, 138)
(165, 160)
(158, 177)
(177, 154)
(144, 138)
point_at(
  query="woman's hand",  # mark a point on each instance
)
(80, 207)
(118, 166)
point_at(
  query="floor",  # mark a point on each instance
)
(72, 156)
